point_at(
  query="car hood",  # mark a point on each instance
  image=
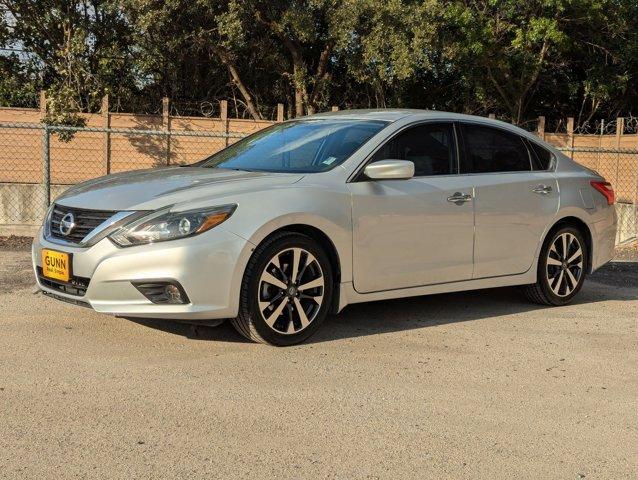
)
(157, 188)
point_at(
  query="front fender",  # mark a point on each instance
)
(327, 210)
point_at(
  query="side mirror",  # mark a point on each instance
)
(390, 170)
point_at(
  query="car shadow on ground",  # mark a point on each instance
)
(222, 333)
(616, 281)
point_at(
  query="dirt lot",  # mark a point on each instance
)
(471, 385)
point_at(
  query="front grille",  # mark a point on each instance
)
(76, 286)
(85, 222)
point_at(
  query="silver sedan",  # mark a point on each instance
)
(305, 217)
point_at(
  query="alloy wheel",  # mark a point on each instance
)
(564, 264)
(291, 291)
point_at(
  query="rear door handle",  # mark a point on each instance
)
(542, 189)
(459, 198)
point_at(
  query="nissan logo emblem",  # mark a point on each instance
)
(67, 224)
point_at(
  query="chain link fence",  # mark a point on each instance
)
(619, 166)
(39, 162)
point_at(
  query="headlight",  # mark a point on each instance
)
(167, 225)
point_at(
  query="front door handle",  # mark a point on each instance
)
(542, 189)
(459, 198)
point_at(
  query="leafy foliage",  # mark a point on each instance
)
(18, 83)
(515, 58)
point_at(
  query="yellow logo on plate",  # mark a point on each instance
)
(56, 265)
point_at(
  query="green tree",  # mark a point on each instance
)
(524, 58)
(19, 84)
(201, 39)
(82, 48)
(515, 58)
(503, 48)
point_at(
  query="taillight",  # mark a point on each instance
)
(606, 189)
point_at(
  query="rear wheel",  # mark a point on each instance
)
(561, 268)
(286, 291)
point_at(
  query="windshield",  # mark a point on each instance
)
(304, 146)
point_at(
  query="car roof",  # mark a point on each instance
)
(386, 114)
(394, 114)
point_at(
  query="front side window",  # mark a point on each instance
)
(431, 147)
(490, 150)
(304, 146)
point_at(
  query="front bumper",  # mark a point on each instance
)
(208, 266)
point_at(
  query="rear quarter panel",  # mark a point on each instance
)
(579, 199)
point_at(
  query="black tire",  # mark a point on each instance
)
(251, 322)
(542, 292)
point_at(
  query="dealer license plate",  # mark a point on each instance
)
(56, 265)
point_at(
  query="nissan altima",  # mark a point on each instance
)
(307, 216)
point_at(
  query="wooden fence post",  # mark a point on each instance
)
(620, 129)
(223, 115)
(106, 123)
(43, 103)
(570, 136)
(280, 112)
(540, 129)
(166, 126)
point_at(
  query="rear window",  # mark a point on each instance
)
(542, 158)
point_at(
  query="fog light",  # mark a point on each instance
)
(173, 294)
(163, 292)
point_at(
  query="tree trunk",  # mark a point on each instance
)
(298, 77)
(252, 108)
(250, 105)
(298, 99)
(301, 80)
(320, 77)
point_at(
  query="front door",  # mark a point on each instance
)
(408, 233)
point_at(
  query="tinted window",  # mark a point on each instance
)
(300, 146)
(542, 158)
(429, 146)
(491, 150)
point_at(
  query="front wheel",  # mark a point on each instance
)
(561, 268)
(286, 292)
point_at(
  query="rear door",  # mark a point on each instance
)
(414, 232)
(514, 200)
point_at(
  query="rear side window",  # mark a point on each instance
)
(542, 158)
(492, 150)
(431, 147)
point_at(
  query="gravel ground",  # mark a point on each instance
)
(627, 252)
(13, 242)
(470, 385)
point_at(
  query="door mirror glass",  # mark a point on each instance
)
(390, 170)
